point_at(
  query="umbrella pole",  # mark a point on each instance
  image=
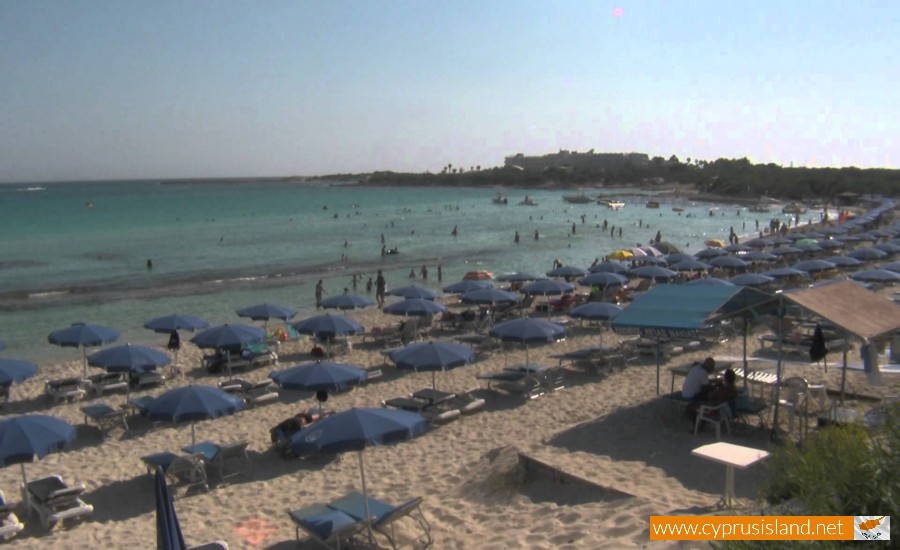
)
(745, 355)
(193, 435)
(433, 383)
(362, 476)
(25, 492)
(84, 359)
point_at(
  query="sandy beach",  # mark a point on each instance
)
(628, 450)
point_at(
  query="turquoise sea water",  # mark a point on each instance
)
(74, 252)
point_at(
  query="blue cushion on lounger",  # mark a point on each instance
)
(322, 521)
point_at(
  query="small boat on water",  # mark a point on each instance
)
(478, 276)
(652, 204)
(677, 209)
(794, 208)
(612, 204)
(580, 198)
(527, 201)
(500, 199)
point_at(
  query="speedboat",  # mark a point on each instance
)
(652, 204)
(500, 199)
(527, 202)
(612, 204)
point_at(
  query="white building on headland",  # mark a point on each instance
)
(573, 160)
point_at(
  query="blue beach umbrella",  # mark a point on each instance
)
(735, 248)
(517, 277)
(168, 530)
(889, 248)
(413, 291)
(876, 276)
(228, 336)
(759, 242)
(320, 376)
(708, 253)
(813, 266)
(567, 271)
(829, 244)
(83, 335)
(728, 262)
(346, 301)
(784, 272)
(171, 323)
(751, 279)
(653, 272)
(415, 307)
(595, 311)
(676, 258)
(432, 357)
(866, 254)
(356, 429)
(759, 256)
(893, 266)
(709, 281)
(16, 370)
(548, 287)
(528, 331)
(690, 265)
(22, 438)
(603, 279)
(843, 261)
(264, 312)
(128, 358)
(465, 286)
(328, 326)
(649, 260)
(193, 403)
(786, 250)
(609, 266)
(489, 296)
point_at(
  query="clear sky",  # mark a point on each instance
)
(107, 89)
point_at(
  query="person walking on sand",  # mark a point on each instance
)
(320, 290)
(380, 288)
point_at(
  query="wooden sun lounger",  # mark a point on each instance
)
(54, 501)
(105, 417)
(65, 388)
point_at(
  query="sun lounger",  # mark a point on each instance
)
(139, 404)
(435, 414)
(65, 388)
(530, 381)
(9, 523)
(54, 501)
(181, 471)
(228, 460)
(327, 526)
(147, 378)
(385, 515)
(105, 417)
(106, 382)
(253, 393)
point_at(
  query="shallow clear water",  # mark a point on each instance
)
(78, 251)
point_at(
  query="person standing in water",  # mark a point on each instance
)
(320, 290)
(380, 289)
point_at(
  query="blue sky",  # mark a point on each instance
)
(96, 89)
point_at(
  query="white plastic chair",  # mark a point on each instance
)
(715, 415)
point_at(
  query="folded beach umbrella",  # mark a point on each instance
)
(432, 357)
(876, 276)
(489, 296)
(466, 285)
(84, 336)
(320, 376)
(168, 530)
(346, 301)
(228, 336)
(603, 279)
(264, 312)
(22, 438)
(413, 291)
(193, 403)
(569, 271)
(609, 267)
(415, 307)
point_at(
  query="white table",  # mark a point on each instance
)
(731, 456)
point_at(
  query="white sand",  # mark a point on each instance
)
(612, 431)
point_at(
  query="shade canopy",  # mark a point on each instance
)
(264, 312)
(328, 326)
(228, 336)
(684, 310)
(22, 438)
(171, 323)
(356, 429)
(320, 375)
